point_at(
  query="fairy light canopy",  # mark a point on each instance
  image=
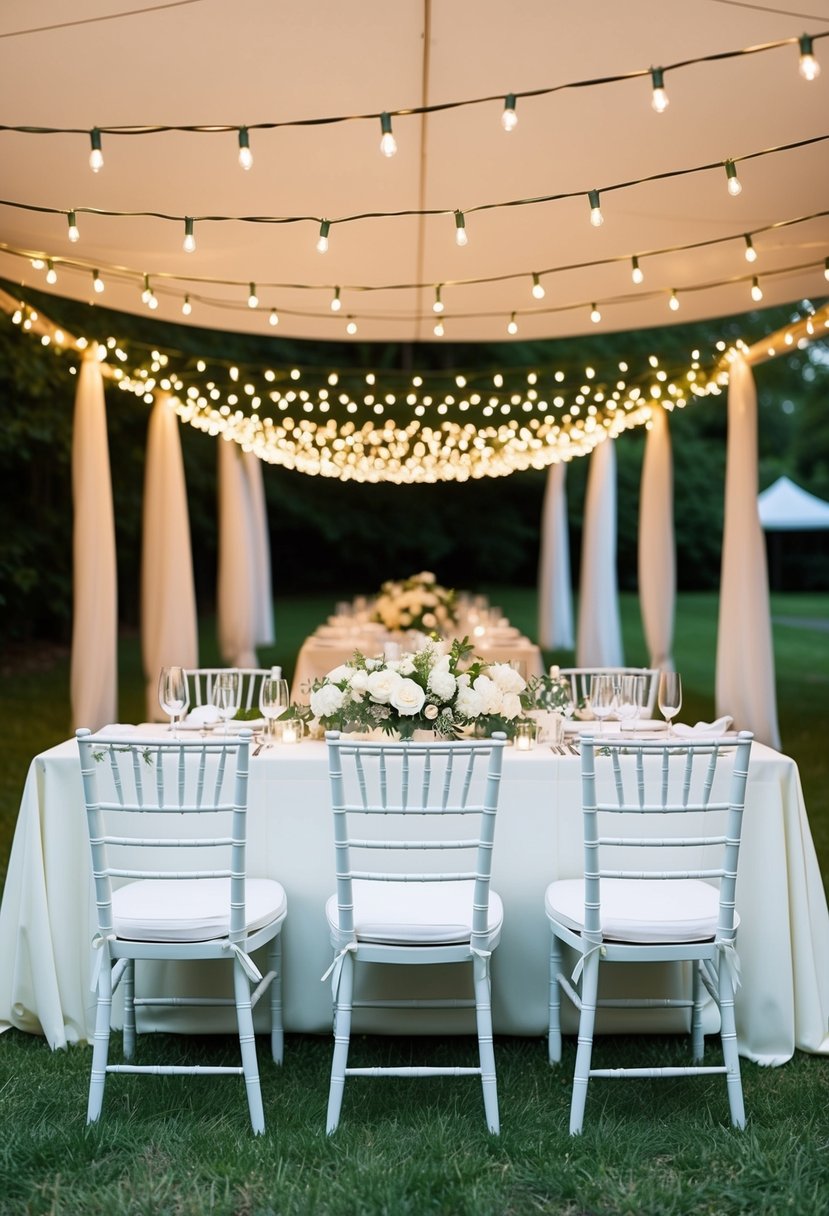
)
(401, 172)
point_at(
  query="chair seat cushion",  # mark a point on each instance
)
(647, 911)
(414, 913)
(191, 909)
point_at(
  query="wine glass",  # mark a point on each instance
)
(173, 694)
(274, 698)
(631, 698)
(226, 695)
(602, 697)
(669, 696)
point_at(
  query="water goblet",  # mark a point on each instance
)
(274, 698)
(602, 697)
(631, 698)
(669, 696)
(173, 694)
(226, 695)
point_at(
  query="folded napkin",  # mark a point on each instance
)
(706, 729)
(203, 715)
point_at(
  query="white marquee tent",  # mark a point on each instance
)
(787, 507)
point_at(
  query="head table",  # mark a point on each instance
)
(47, 918)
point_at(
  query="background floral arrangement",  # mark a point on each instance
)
(417, 602)
(435, 689)
(551, 692)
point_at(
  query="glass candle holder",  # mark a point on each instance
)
(525, 736)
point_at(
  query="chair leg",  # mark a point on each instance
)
(698, 997)
(486, 1052)
(128, 988)
(277, 1033)
(584, 1053)
(247, 1045)
(731, 1056)
(342, 1037)
(100, 1047)
(554, 1014)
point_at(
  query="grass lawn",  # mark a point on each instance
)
(183, 1146)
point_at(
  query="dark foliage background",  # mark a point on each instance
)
(345, 537)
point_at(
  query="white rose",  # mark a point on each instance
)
(359, 681)
(469, 703)
(338, 674)
(511, 706)
(326, 700)
(442, 683)
(431, 712)
(490, 694)
(408, 697)
(506, 677)
(381, 684)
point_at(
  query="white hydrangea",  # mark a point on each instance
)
(506, 677)
(327, 700)
(468, 703)
(441, 681)
(511, 706)
(490, 694)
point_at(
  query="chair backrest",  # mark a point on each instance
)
(628, 810)
(156, 800)
(396, 806)
(202, 679)
(579, 678)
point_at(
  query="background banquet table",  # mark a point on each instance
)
(47, 917)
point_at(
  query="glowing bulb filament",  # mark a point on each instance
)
(659, 99)
(388, 144)
(96, 156)
(636, 272)
(595, 315)
(273, 319)
(673, 302)
(439, 330)
(596, 217)
(253, 299)
(808, 67)
(336, 302)
(97, 282)
(460, 229)
(51, 273)
(509, 119)
(351, 327)
(245, 154)
(734, 183)
(73, 233)
(187, 307)
(538, 288)
(438, 304)
(512, 328)
(189, 237)
(322, 243)
(751, 252)
(756, 290)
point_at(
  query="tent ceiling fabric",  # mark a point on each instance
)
(207, 62)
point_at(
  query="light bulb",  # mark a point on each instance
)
(388, 144)
(659, 99)
(636, 272)
(673, 302)
(253, 299)
(438, 304)
(97, 282)
(538, 288)
(245, 154)
(336, 302)
(96, 156)
(38, 263)
(273, 319)
(810, 327)
(751, 252)
(460, 229)
(808, 67)
(734, 184)
(189, 238)
(152, 302)
(512, 328)
(322, 243)
(596, 217)
(187, 307)
(756, 290)
(438, 329)
(826, 269)
(351, 327)
(145, 294)
(51, 273)
(595, 315)
(72, 222)
(509, 119)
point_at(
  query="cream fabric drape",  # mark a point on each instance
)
(237, 603)
(169, 623)
(555, 599)
(94, 663)
(263, 623)
(657, 550)
(600, 631)
(745, 656)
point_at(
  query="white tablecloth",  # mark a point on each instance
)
(47, 917)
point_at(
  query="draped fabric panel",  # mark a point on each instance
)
(263, 625)
(237, 602)
(94, 662)
(169, 623)
(745, 655)
(600, 631)
(657, 551)
(555, 600)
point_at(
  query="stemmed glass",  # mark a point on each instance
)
(631, 698)
(602, 697)
(226, 695)
(173, 694)
(669, 696)
(274, 698)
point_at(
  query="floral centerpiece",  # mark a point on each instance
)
(418, 603)
(551, 693)
(447, 692)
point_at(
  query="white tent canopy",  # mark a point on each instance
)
(785, 507)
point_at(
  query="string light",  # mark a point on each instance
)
(673, 302)
(189, 236)
(97, 282)
(438, 329)
(245, 154)
(596, 217)
(351, 327)
(808, 66)
(756, 290)
(72, 227)
(96, 156)
(51, 273)
(734, 184)
(636, 272)
(322, 242)
(336, 302)
(253, 299)
(512, 328)
(388, 144)
(595, 315)
(460, 229)
(145, 294)
(509, 118)
(826, 269)
(751, 252)
(187, 307)
(538, 288)
(438, 304)
(152, 302)
(659, 98)
(273, 319)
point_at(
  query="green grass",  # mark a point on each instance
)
(172, 1145)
